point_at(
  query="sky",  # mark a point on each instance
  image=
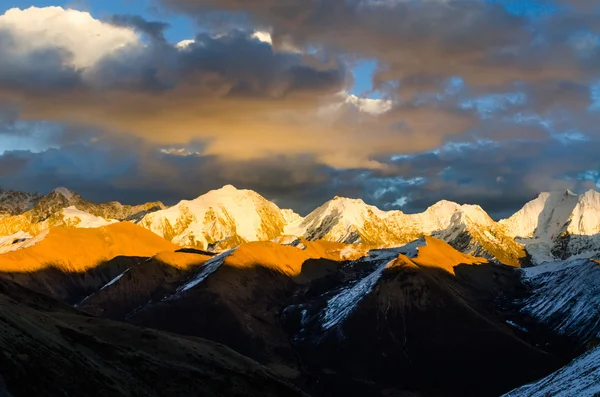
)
(399, 102)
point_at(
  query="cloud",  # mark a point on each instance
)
(81, 39)
(243, 97)
(475, 102)
(420, 42)
(499, 176)
(154, 29)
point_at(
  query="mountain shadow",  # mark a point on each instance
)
(50, 349)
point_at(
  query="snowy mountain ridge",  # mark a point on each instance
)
(553, 226)
(29, 216)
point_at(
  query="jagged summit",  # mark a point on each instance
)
(66, 193)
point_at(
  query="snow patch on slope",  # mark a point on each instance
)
(342, 304)
(85, 220)
(580, 378)
(566, 297)
(19, 241)
(206, 270)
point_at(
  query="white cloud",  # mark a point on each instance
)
(265, 37)
(344, 101)
(179, 152)
(369, 105)
(183, 44)
(85, 38)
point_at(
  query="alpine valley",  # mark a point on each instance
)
(228, 294)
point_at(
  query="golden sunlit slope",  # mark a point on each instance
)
(77, 250)
(288, 259)
(181, 260)
(438, 253)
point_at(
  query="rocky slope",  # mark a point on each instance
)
(50, 349)
(14, 202)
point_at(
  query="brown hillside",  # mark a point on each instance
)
(287, 259)
(437, 253)
(76, 250)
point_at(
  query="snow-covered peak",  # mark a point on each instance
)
(291, 216)
(474, 214)
(585, 217)
(552, 213)
(545, 217)
(345, 220)
(222, 214)
(66, 193)
(558, 225)
(227, 188)
(353, 209)
(340, 215)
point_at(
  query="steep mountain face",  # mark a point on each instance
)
(565, 296)
(558, 226)
(50, 349)
(64, 208)
(564, 300)
(580, 378)
(222, 219)
(472, 231)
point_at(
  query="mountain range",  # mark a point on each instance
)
(348, 300)
(553, 226)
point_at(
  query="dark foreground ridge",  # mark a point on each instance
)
(50, 349)
(431, 322)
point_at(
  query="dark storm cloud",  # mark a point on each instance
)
(505, 96)
(11, 164)
(41, 71)
(129, 172)
(420, 42)
(499, 177)
(154, 29)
